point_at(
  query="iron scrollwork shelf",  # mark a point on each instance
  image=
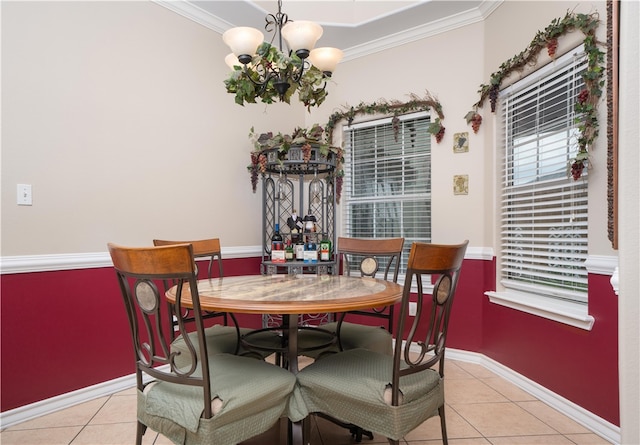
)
(307, 185)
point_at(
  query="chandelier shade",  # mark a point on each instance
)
(232, 61)
(243, 41)
(325, 59)
(301, 36)
(263, 71)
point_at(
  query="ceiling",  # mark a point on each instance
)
(358, 27)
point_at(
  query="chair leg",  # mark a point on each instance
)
(296, 432)
(394, 442)
(443, 425)
(356, 431)
(306, 430)
(140, 430)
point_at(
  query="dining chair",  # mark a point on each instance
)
(392, 395)
(220, 338)
(209, 398)
(206, 248)
(364, 257)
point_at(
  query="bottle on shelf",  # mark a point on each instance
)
(299, 249)
(295, 226)
(288, 251)
(325, 249)
(277, 246)
(310, 223)
(310, 251)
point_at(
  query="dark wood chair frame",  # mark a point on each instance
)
(138, 270)
(426, 261)
(369, 250)
(442, 262)
(206, 248)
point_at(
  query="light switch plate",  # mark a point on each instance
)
(25, 197)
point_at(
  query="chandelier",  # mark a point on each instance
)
(260, 70)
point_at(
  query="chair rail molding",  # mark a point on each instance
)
(92, 260)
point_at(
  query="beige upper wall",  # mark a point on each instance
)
(452, 66)
(508, 35)
(116, 113)
(446, 67)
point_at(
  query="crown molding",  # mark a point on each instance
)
(421, 32)
(196, 14)
(204, 18)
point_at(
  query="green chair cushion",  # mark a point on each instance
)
(220, 339)
(352, 336)
(251, 395)
(351, 386)
(373, 338)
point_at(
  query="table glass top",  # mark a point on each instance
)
(289, 294)
(298, 288)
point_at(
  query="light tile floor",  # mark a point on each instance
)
(482, 409)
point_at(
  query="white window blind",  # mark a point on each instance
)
(543, 210)
(387, 185)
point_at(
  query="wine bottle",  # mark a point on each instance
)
(299, 249)
(277, 246)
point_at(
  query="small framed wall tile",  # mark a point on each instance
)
(461, 142)
(460, 184)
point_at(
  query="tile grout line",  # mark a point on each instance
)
(90, 419)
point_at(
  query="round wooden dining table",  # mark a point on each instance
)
(291, 296)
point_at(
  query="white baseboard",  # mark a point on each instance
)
(585, 418)
(575, 412)
(63, 401)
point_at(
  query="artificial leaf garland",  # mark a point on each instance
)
(394, 107)
(243, 81)
(586, 105)
(317, 135)
(302, 137)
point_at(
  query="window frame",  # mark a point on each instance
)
(344, 212)
(571, 312)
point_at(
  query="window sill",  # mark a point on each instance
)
(566, 312)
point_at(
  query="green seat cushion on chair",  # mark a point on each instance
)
(351, 386)
(251, 396)
(352, 336)
(220, 339)
(355, 335)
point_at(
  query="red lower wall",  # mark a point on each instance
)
(63, 331)
(66, 330)
(579, 365)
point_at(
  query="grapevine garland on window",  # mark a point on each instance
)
(586, 105)
(395, 108)
(323, 137)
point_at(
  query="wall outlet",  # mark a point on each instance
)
(413, 308)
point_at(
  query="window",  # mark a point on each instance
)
(543, 210)
(387, 184)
